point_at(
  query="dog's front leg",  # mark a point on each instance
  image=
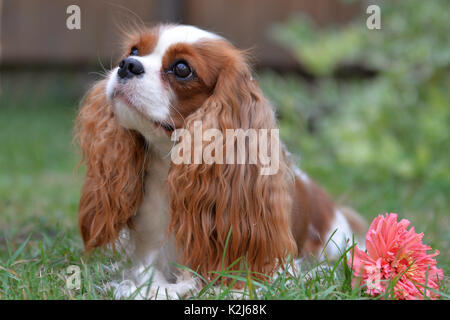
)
(147, 282)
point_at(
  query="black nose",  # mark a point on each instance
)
(129, 68)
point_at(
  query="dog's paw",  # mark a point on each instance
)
(127, 289)
(174, 291)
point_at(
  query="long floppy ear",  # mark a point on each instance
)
(115, 165)
(206, 200)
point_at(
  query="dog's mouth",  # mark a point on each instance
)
(168, 128)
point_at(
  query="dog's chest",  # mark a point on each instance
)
(152, 218)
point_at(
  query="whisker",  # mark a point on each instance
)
(101, 64)
(101, 74)
(184, 121)
(173, 144)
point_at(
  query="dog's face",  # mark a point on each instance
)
(166, 74)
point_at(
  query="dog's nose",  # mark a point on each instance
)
(129, 68)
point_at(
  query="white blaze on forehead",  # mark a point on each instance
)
(181, 34)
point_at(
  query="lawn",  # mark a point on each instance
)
(40, 188)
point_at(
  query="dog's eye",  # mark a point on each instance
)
(182, 70)
(134, 51)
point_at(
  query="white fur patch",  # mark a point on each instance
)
(180, 34)
(146, 281)
(300, 174)
(341, 232)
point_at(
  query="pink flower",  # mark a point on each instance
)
(391, 249)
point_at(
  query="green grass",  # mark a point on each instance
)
(39, 192)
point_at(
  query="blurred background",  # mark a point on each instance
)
(365, 112)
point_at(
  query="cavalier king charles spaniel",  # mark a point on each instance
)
(205, 216)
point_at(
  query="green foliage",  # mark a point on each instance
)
(397, 122)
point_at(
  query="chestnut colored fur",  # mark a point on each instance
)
(208, 200)
(115, 160)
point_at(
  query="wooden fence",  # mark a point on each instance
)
(34, 32)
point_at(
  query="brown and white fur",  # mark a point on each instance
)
(159, 212)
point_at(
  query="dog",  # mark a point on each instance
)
(203, 215)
